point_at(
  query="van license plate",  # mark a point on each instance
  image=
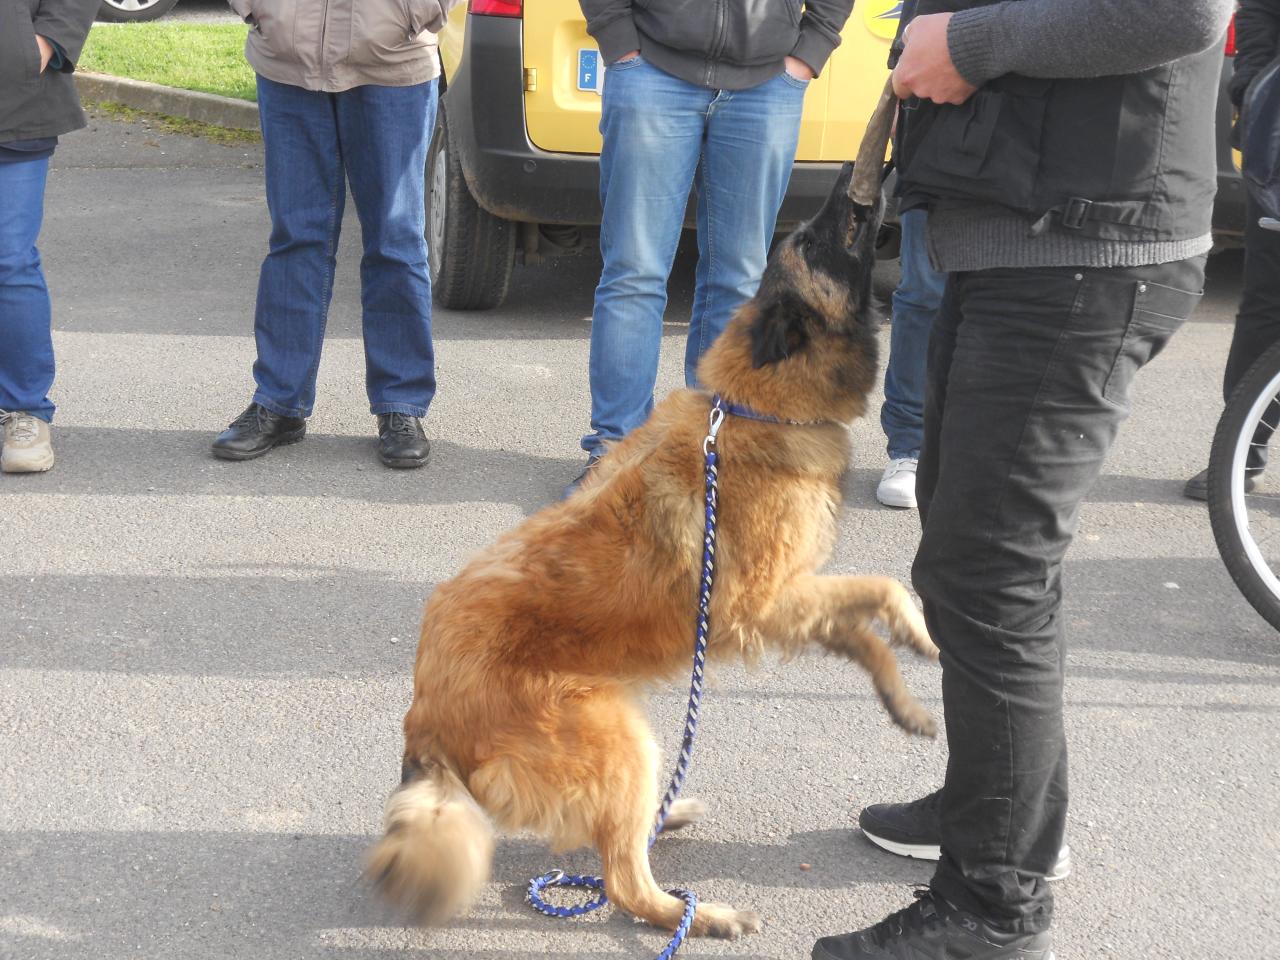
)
(590, 70)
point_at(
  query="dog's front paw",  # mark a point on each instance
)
(723, 922)
(916, 719)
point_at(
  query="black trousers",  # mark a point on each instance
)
(1258, 322)
(1029, 373)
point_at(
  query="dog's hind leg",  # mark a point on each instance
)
(838, 613)
(683, 812)
(625, 781)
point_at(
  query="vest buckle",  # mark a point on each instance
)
(1076, 212)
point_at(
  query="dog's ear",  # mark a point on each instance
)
(781, 328)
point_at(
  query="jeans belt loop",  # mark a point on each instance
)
(1076, 212)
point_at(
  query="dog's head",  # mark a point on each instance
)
(818, 281)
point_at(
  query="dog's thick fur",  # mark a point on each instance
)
(533, 658)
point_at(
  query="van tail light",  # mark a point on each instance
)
(1231, 38)
(496, 8)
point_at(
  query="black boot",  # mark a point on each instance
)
(932, 929)
(255, 432)
(401, 441)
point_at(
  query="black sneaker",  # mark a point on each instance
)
(932, 929)
(1197, 487)
(256, 431)
(572, 486)
(914, 830)
(402, 443)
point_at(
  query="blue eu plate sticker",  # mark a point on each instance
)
(590, 70)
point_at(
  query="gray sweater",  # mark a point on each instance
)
(1064, 39)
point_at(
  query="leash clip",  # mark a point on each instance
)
(717, 418)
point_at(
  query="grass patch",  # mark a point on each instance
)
(191, 56)
(188, 128)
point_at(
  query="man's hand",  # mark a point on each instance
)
(798, 68)
(46, 51)
(925, 69)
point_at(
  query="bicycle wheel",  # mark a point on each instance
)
(1245, 514)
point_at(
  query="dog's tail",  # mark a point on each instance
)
(435, 855)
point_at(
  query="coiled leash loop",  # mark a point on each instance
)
(558, 878)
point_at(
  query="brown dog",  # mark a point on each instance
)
(525, 706)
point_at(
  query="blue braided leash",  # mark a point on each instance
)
(558, 878)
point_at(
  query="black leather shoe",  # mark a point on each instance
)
(932, 929)
(255, 432)
(401, 441)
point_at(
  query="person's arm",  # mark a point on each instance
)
(1083, 38)
(611, 24)
(820, 28)
(1257, 43)
(64, 25)
(949, 55)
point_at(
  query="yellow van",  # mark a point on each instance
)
(513, 171)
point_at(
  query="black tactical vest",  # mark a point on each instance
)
(1128, 158)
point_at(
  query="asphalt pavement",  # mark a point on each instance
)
(204, 665)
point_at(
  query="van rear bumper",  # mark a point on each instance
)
(515, 180)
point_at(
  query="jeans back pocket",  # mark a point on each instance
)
(1158, 312)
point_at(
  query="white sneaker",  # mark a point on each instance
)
(898, 484)
(27, 448)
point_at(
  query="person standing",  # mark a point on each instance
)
(347, 95)
(40, 41)
(915, 303)
(1258, 320)
(705, 96)
(1065, 152)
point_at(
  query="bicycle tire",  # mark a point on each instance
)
(1228, 509)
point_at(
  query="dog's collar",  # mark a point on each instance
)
(741, 410)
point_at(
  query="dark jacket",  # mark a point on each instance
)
(1124, 158)
(1257, 43)
(719, 44)
(35, 105)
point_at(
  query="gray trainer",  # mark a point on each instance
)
(27, 445)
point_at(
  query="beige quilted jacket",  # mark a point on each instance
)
(334, 45)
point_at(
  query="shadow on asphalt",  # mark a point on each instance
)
(222, 894)
(258, 623)
(235, 625)
(100, 461)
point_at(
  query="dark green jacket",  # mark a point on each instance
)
(35, 105)
(719, 44)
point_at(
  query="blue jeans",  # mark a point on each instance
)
(26, 340)
(915, 304)
(662, 137)
(376, 139)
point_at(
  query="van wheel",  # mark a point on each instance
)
(471, 251)
(133, 11)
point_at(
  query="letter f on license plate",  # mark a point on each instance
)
(590, 70)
